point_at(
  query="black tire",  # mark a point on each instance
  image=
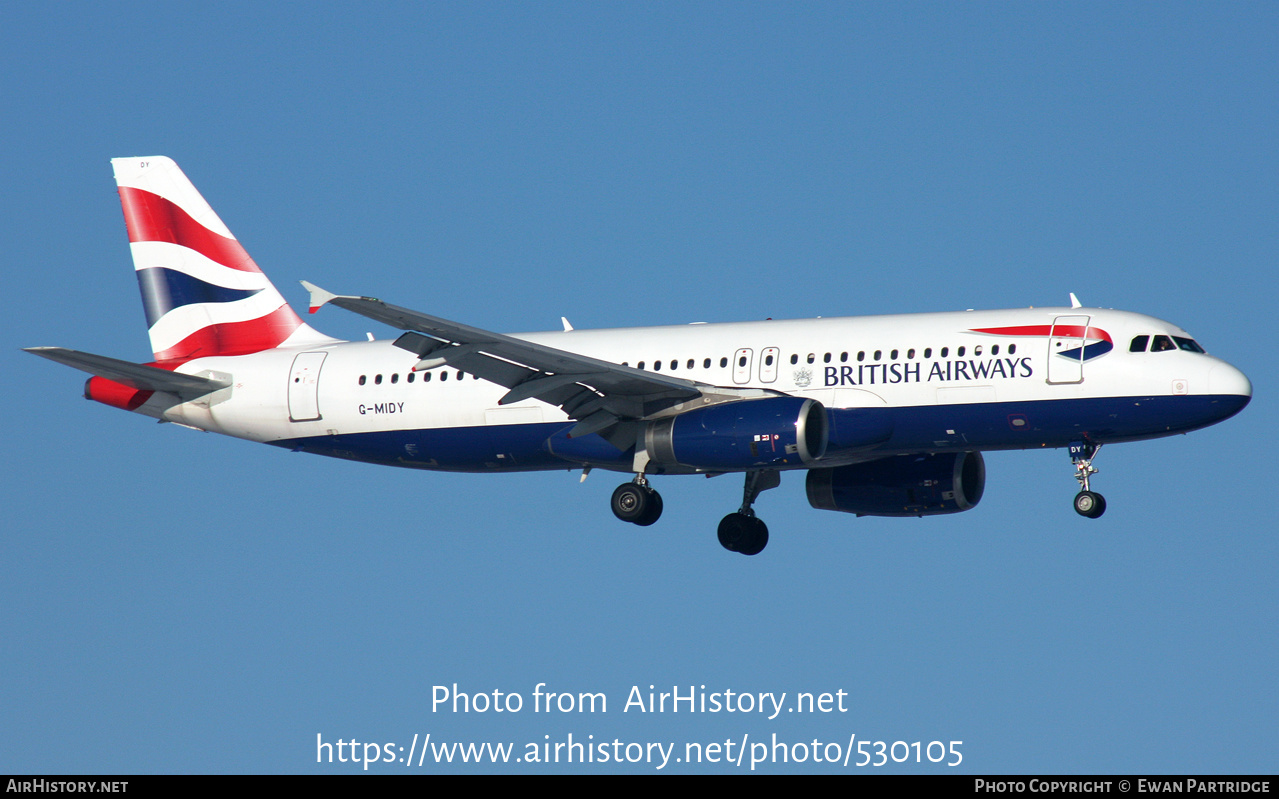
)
(654, 509)
(731, 531)
(630, 502)
(1090, 504)
(741, 533)
(756, 538)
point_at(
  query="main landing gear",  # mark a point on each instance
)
(1087, 502)
(742, 531)
(636, 502)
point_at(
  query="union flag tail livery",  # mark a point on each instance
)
(202, 293)
(885, 415)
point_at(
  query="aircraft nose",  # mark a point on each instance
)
(1225, 379)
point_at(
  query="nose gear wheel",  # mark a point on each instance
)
(1087, 502)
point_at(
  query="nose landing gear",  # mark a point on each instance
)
(1087, 502)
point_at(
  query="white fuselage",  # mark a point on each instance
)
(935, 380)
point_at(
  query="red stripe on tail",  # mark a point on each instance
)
(235, 338)
(150, 217)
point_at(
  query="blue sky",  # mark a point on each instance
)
(181, 602)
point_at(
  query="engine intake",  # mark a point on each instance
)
(762, 433)
(905, 485)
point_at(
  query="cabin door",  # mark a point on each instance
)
(1066, 343)
(304, 387)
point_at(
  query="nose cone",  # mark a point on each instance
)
(1225, 379)
(1230, 388)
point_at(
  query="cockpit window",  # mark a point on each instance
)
(1139, 343)
(1162, 344)
(1188, 344)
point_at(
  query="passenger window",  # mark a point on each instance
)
(843, 357)
(878, 354)
(861, 356)
(741, 361)
(960, 352)
(691, 363)
(977, 350)
(444, 376)
(910, 354)
(723, 362)
(409, 377)
(928, 352)
(657, 366)
(1162, 344)
(892, 356)
(1012, 349)
(363, 379)
(706, 364)
(674, 365)
(994, 350)
(811, 357)
(794, 359)
(768, 361)
(640, 365)
(1138, 343)
(945, 351)
(826, 358)
(395, 378)
(377, 380)
(426, 378)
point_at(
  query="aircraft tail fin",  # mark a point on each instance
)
(202, 293)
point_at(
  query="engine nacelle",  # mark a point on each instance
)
(906, 485)
(764, 433)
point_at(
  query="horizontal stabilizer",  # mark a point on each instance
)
(134, 375)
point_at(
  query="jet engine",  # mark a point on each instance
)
(770, 433)
(905, 485)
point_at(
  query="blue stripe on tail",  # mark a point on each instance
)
(166, 289)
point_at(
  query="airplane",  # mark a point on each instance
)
(887, 415)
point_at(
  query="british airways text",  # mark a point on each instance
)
(870, 374)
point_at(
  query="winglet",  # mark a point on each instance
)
(319, 297)
(1074, 301)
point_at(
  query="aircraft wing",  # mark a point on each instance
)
(598, 394)
(134, 375)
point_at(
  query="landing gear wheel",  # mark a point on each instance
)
(757, 540)
(731, 529)
(741, 533)
(1090, 504)
(637, 504)
(1087, 502)
(654, 510)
